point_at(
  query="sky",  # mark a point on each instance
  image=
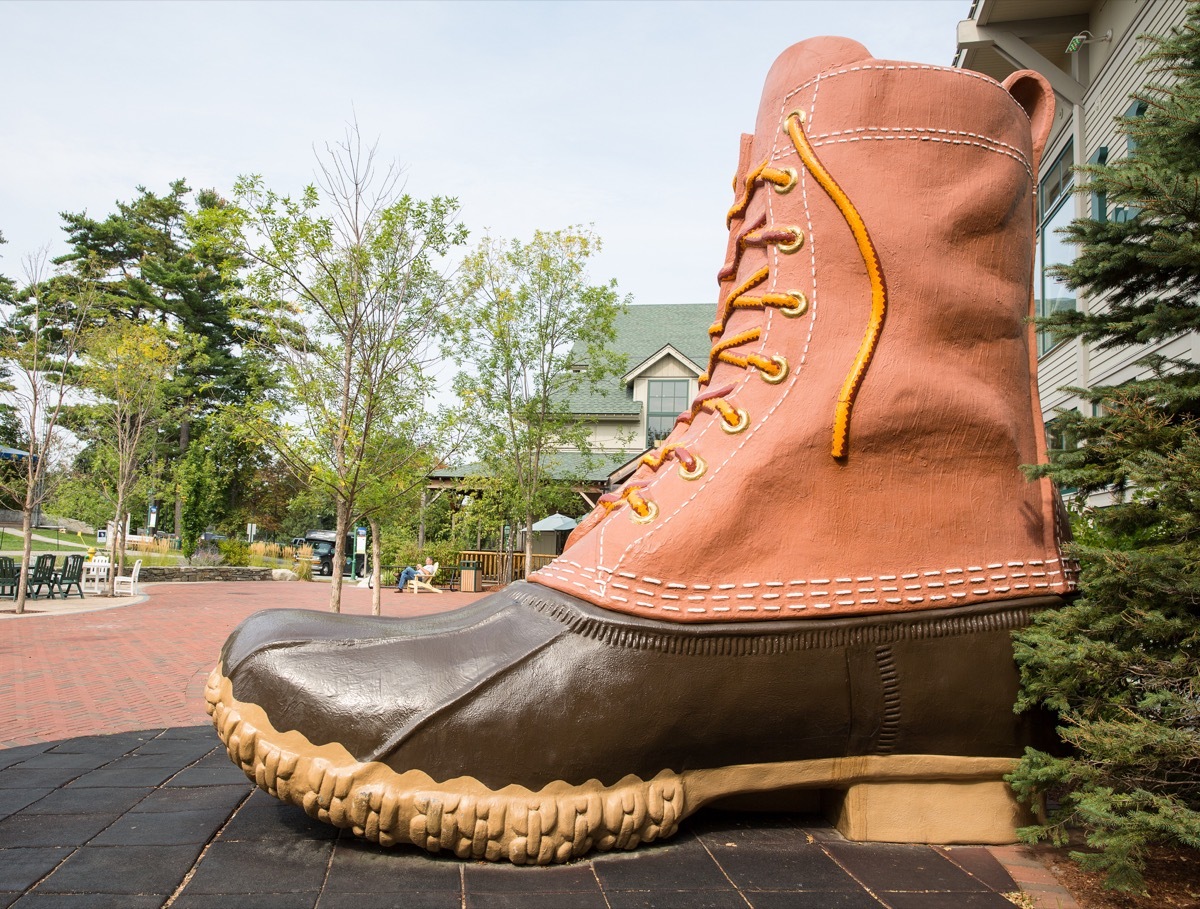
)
(624, 116)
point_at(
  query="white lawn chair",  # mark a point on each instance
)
(418, 582)
(127, 584)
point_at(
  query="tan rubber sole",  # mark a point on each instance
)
(897, 798)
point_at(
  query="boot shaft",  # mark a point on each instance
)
(857, 445)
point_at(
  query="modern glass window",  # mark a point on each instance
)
(666, 399)
(1056, 212)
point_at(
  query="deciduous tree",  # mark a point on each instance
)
(351, 270)
(520, 309)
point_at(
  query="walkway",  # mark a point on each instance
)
(114, 791)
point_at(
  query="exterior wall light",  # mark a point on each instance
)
(1086, 37)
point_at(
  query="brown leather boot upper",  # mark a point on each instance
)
(870, 399)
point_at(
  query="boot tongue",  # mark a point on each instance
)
(798, 64)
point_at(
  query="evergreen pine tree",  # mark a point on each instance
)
(1121, 665)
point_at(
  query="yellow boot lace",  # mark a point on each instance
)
(787, 239)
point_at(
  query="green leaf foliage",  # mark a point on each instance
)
(1121, 664)
(521, 309)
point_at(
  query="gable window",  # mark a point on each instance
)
(666, 399)
(1054, 213)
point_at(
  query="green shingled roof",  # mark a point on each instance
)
(640, 333)
(562, 465)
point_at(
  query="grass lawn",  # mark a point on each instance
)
(11, 544)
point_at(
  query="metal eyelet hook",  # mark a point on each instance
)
(650, 515)
(734, 428)
(793, 178)
(801, 306)
(779, 376)
(696, 472)
(795, 245)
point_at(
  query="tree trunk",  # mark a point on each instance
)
(184, 434)
(26, 552)
(528, 543)
(118, 547)
(376, 569)
(339, 556)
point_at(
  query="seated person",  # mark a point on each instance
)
(425, 572)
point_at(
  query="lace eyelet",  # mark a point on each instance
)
(696, 473)
(799, 309)
(788, 248)
(734, 428)
(779, 376)
(796, 112)
(650, 515)
(791, 184)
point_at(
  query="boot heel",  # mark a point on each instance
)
(944, 811)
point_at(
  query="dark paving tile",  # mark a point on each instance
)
(20, 869)
(975, 900)
(50, 829)
(19, 777)
(88, 800)
(291, 865)
(208, 776)
(980, 863)
(113, 745)
(190, 733)
(122, 869)
(200, 798)
(683, 865)
(362, 867)
(188, 900)
(37, 900)
(801, 866)
(162, 828)
(264, 816)
(7, 899)
(883, 866)
(540, 899)
(407, 899)
(725, 826)
(814, 899)
(123, 773)
(51, 760)
(674, 899)
(506, 878)
(10, 756)
(181, 751)
(13, 800)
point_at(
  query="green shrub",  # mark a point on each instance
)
(235, 553)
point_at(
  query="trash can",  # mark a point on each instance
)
(472, 577)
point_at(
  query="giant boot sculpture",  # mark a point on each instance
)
(810, 585)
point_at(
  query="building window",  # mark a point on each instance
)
(1127, 212)
(1099, 199)
(666, 399)
(1050, 294)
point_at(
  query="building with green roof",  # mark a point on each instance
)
(666, 350)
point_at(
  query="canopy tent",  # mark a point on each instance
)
(556, 522)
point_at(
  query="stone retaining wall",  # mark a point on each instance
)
(151, 573)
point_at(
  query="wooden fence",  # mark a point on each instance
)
(491, 562)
